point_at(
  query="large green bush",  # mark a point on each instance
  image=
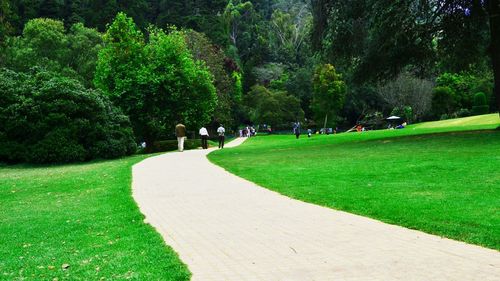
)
(443, 101)
(480, 104)
(48, 118)
(171, 145)
(464, 86)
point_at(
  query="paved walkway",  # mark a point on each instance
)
(226, 228)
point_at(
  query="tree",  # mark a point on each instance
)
(50, 118)
(5, 17)
(47, 44)
(443, 101)
(157, 84)
(328, 93)
(321, 12)
(246, 33)
(84, 45)
(288, 34)
(494, 16)
(182, 89)
(203, 50)
(408, 91)
(235, 14)
(300, 85)
(274, 108)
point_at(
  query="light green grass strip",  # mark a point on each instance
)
(444, 181)
(489, 119)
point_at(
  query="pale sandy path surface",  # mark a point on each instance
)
(227, 228)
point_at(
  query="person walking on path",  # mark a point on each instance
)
(180, 132)
(204, 137)
(221, 131)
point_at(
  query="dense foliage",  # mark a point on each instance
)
(329, 93)
(376, 40)
(47, 118)
(395, 57)
(157, 83)
(272, 107)
(46, 43)
(226, 80)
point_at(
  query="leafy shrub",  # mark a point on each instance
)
(48, 118)
(463, 112)
(443, 101)
(480, 99)
(480, 104)
(444, 117)
(465, 86)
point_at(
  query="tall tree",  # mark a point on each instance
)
(494, 15)
(328, 93)
(203, 50)
(288, 35)
(5, 17)
(157, 84)
(321, 12)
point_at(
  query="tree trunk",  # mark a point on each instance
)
(321, 11)
(494, 14)
(324, 127)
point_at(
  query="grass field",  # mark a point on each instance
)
(78, 222)
(438, 178)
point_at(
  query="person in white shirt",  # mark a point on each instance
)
(221, 131)
(204, 137)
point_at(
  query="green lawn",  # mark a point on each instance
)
(81, 215)
(443, 180)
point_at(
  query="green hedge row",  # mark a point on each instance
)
(171, 145)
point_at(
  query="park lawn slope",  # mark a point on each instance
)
(81, 215)
(466, 122)
(444, 183)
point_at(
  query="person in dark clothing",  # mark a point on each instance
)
(180, 132)
(296, 130)
(221, 131)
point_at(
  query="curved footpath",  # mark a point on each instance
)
(227, 228)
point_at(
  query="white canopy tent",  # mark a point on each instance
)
(393, 118)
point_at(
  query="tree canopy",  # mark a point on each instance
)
(230, 61)
(157, 83)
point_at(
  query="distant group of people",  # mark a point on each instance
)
(180, 133)
(360, 128)
(248, 131)
(400, 126)
(297, 131)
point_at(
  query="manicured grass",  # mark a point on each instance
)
(489, 119)
(444, 180)
(83, 216)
